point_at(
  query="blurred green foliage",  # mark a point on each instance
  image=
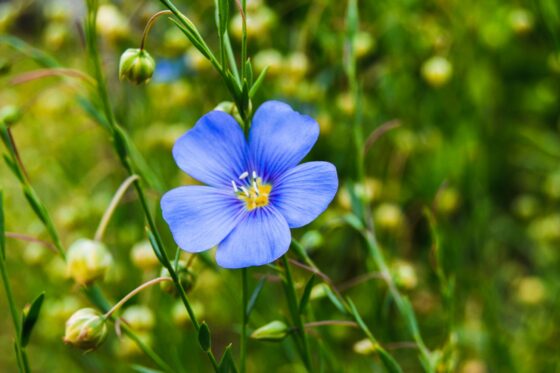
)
(474, 87)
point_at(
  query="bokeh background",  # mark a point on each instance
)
(472, 89)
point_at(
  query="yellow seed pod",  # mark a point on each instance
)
(139, 317)
(364, 347)
(270, 58)
(127, 348)
(88, 261)
(437, 71)
(142, 256)
(531, 290)
(111, 23)
(388, 216)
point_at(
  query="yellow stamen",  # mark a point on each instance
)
(258, 194)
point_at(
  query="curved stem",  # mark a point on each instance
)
(149, 25)
(127, 297)
(112, 206)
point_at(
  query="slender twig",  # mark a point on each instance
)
(360, 280)
(380, 131)
(55, 71)
(315, 324)
(127, 297)
(16, 153)
(317, 272)
(112, 206)
(27, 238)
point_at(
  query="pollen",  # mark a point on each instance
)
(252, 191)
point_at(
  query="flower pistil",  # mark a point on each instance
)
(251, 190)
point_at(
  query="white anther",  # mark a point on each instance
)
(245, 191)
(234, 186)
(254, 175)
(243, 175)
(255, 187)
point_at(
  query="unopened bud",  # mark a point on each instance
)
(136, 65)
(86, 329)
(186, 278)
(364, 347)
(143, 257)
(139, 318)
(88, 261)
(437, 71)
(273, 331)
(9, 115)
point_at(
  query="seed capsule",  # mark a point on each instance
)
(136, 65)
(86, 329)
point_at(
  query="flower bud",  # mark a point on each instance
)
(111, 23)
(143, 257)
(364, 347)
(273, 331)
(388, 216)
(437, 71)
(180, 315)
(86, 329)
(136, 65)
(186, 278)
(139, 318)
(9, 115)
(87, 261)
(405, 275)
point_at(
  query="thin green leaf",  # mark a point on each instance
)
(254, 297)
(93, 112)
(223, 12)
(204, 337)
(258, 83)
(157, 250)
(30, 319)
(249, 72)
(2, 228)
(143, 369)
(227, 365)
(141, 166)
(35, 204)
(35, 54)
(306, 294)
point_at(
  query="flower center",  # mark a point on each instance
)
(251, 190)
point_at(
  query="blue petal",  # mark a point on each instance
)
(200, 217)
(304, 192)
(214, 151)
(261, 238)
(280, 137)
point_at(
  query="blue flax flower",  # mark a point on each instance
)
(255, 189)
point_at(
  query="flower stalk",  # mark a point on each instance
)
(299, 336)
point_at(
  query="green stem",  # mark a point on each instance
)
(10, 298)
(243, 342)
(243, 38)
(146, 349)
(402, 306)
(290, 290)
(387, 358)
(20, 352)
